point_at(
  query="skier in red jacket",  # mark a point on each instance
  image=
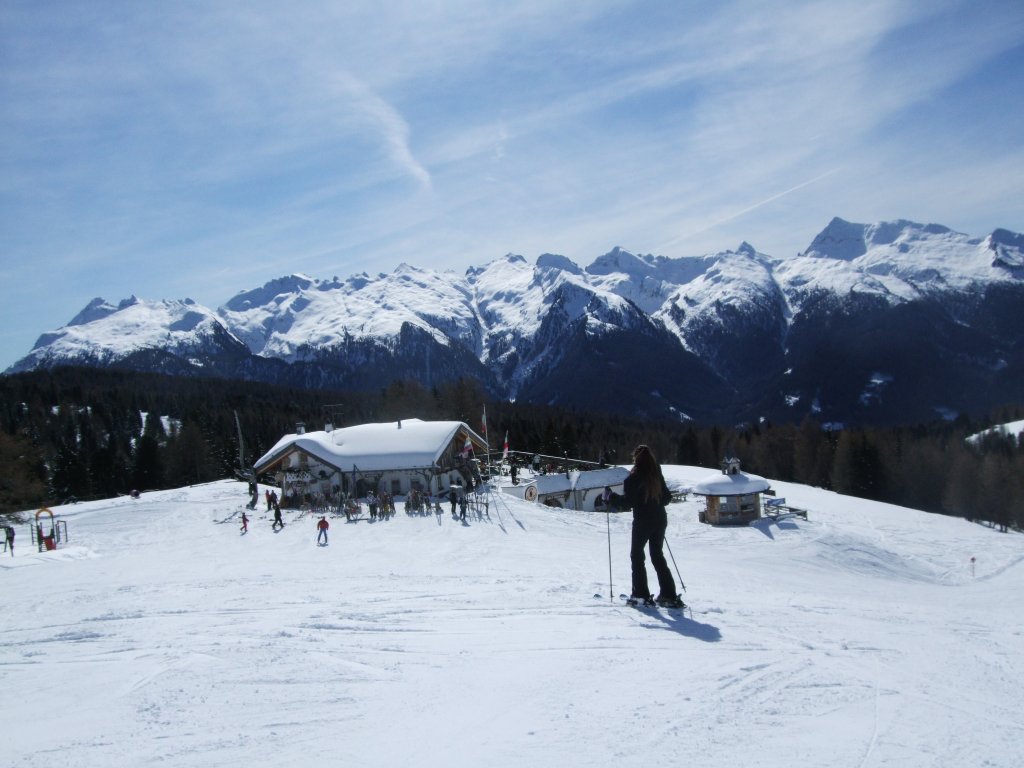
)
(322, 527)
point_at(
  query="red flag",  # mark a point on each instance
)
(504, 452)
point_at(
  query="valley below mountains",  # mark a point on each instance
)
(885, 323)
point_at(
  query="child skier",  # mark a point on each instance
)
(245, 523)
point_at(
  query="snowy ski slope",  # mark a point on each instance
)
(161, 636)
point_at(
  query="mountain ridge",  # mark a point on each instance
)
(742, 335)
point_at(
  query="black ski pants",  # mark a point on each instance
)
(650, 532)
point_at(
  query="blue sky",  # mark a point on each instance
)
(195, 149)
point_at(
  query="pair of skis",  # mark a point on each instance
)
(651, 604)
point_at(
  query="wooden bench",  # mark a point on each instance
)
(777, 508)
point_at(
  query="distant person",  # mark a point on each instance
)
(646, 492)
(278, 522)
(245, 523)
(270, 504)
(322, 526)
(9, 535)
(453, 497)
(463, 502)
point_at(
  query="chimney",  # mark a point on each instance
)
(300, 428)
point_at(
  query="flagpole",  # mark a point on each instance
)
(487, 442)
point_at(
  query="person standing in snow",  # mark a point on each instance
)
(277, 518)
(453, 497)
(9, 535)
(322, 527)
(646, 492)
(245, 523)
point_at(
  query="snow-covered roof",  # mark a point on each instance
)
(580, 481)
(737, 484)
(405, 444)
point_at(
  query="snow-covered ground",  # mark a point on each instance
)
(160, 635)
(1013, 428)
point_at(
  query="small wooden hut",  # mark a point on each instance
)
(733, 497)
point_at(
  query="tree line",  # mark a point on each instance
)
(84, 433)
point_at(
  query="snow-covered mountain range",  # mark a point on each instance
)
(894, 321)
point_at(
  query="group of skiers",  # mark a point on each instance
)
(322, 525)
(457, 497)
(381, 507)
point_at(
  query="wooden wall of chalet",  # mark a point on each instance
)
(732, 510)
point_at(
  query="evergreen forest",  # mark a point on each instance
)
(78, 433)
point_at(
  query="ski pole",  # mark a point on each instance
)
(608, 523)
(681, 583)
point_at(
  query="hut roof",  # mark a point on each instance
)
(736, 484)
(407, 444)
(579, 481)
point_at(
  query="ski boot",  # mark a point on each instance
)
(671, 602)
(637, 600)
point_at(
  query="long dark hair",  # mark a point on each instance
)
(647, 472)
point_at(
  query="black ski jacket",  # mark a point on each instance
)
(646, 511)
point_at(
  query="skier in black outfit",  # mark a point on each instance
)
(646, 492)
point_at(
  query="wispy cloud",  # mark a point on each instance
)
(242, 140)
(384, 121)
(733, 216)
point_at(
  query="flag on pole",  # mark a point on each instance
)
(484, 421)
(504, 451)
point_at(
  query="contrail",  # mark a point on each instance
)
(751, 208)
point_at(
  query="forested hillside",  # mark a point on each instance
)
(83, 433)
